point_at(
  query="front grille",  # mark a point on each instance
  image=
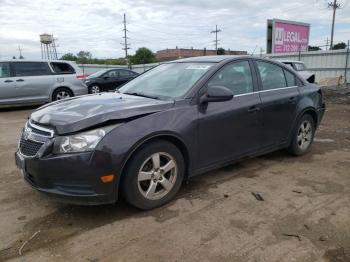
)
(33, 138)
(29, 147)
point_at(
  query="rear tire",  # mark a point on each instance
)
(153, 175)
(61, 93)
(303, 136)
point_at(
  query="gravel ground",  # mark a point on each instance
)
(215, 217)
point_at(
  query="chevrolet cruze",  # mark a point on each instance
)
(173, 122)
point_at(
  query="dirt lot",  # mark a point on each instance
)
(305, 215)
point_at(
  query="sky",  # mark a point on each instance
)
(96, 25)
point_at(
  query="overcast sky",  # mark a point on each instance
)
(96, 25)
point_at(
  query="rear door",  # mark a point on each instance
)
(34, 81)
(230, 129)
(279, 96)
(124, 76)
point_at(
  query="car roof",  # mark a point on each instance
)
(209, 59)
(36, 60)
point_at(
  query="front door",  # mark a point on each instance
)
(231, 129)
(7, 84)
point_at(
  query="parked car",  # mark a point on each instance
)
(35, 82)
(301, 69)
(107, 80)
(178, 120)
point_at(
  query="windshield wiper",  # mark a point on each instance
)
(141, 94)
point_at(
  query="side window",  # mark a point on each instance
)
(235, 76)
(299, 66)
(271, 75)
(124, 73)
(31, 68)
(4, 70)
(113, 73)
(291, 80)
(62, 68)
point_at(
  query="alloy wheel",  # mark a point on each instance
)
(95, 89)
(304, 135)
(157, 176)
(62, 95)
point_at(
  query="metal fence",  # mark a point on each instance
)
(89, 69)
(324, 64)
(332, 64)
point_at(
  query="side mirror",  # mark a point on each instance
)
(216, 94)
(106, 77)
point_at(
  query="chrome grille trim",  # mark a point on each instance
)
(47, 130)
(33, 138)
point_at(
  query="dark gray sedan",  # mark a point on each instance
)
(176, 121)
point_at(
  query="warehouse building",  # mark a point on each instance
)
(177, 53)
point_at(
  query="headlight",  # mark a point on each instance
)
(81, 142)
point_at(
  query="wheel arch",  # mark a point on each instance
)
(58, 87)
(311, 111)
(308, 110)
(169, 137)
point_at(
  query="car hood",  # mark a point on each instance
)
(74, 114)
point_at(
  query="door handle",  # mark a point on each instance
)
(292, 100)
(253, 109)
(19, 80)
(8, 81)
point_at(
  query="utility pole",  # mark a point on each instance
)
(334, 6)
(327, 43)
(216, 31)
(126, 45)
(20, 52)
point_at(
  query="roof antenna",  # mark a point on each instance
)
(254, 50)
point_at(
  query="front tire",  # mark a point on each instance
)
(303, 136)
(153, 175)
(94, 89)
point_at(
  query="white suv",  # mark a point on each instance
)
(36, 82)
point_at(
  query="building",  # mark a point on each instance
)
(177, 53)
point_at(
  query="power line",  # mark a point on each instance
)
(216, 31)
(334, 6)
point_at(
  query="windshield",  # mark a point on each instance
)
(167, 80)
(97, 74)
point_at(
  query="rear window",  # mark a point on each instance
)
(31, 68)
(62, 68)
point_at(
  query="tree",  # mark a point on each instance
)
(84, 56)
(314, 48)
(143, 56)
(69, 57)
(340, 45)
(220, 51)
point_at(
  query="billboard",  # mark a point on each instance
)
(287, 36)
